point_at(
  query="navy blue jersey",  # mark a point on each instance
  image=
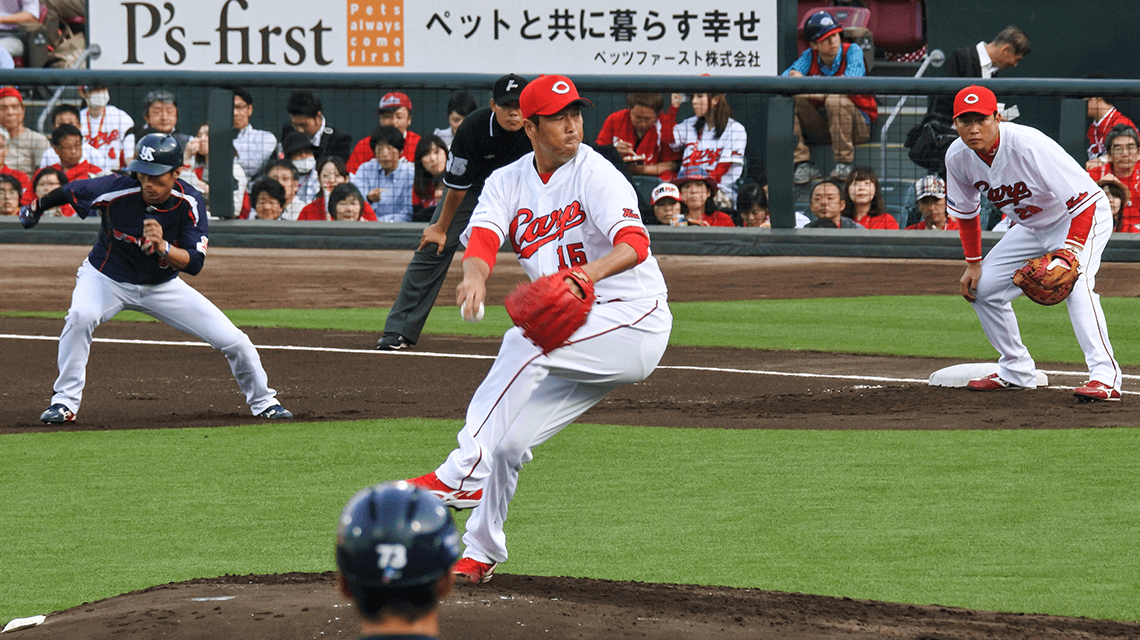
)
(118, 252)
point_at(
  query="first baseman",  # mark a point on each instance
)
(564, 209)
(1054, 206)
(153, 227)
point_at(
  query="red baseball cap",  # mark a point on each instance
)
(393, 101)
(975, 99)
(11, 92)
(547, 95)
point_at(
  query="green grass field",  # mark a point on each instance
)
(1023, 521)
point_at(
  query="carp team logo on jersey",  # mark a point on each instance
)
(626, 212)
(702, 156)
(1005, 194)
(529, 233)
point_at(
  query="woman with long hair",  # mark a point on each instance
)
(427, 181)
(865, 203)
(713, 141)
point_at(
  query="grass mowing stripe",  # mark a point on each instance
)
(1040, 521)
(921, 326)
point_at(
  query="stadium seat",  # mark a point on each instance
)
(897, 195)
(898, 25)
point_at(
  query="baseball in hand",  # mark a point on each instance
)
(478, 314)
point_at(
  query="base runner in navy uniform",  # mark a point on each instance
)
(153, 227)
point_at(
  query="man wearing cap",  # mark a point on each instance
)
(840, 120)
(488, 139)
(666, 203)
(306, 114)
(395, 110)
(25, 147)
(152, 228)
(930, 200)
(253, 146)
(1054, 206)
(566, 212)
(296, 149)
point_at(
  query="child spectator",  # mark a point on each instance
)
(666, 202)
(930, 200)
(64, 114)
(47, 180)
(697, 189)
(386, 180)
(1123, 146)
(25, 147)
(459, 107)
(713, 141)
(106, 128)
(331, 172)
(395, 110)
(268, 197)
(254, 147)
(346, 203)
(1117, 200)
(643, 135)
(67, 142)
(427, 180)
(865, 201)
(10, 192)
(752, 203)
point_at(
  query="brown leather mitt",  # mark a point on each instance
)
(548, 310)
(1049, 279)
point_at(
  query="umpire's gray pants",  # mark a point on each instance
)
(425, 275)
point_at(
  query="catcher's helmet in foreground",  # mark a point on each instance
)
(395, 536)
(156, 154)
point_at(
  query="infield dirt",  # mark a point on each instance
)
(121, 394)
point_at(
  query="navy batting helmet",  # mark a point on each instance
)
(156, 154)
(395, 536)
(820, 25)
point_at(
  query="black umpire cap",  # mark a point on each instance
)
(508, 89)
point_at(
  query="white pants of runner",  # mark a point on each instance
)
(97, 298)
(996, 291)
(527, 397)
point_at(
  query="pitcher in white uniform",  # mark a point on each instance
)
(1052, 204)
(561, 206)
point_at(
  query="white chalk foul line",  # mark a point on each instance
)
(430, 354)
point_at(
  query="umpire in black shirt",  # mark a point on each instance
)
(488, 139)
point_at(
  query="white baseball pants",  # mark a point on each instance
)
(97, 298)
(527, 397)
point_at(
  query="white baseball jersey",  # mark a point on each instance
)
(1033, 181)
(108, 135)
(570, 220)
(707, 151)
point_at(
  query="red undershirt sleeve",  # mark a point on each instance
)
(970, 233)
(1079, 228)
(636, 238)
(483, 244)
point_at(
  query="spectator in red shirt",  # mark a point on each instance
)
(697, 189)
(331, 172)
(1102, 111)
(346, 203)
(26, 185)
(930, 199)
(643, 134)
(1117, 199)
(865, 201)
(395, 110)
(427, 182)
(1123, 146)
(67, 141)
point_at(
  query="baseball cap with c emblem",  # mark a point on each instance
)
(975, 99)
(547, 95)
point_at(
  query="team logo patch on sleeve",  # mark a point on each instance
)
(626, 212)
